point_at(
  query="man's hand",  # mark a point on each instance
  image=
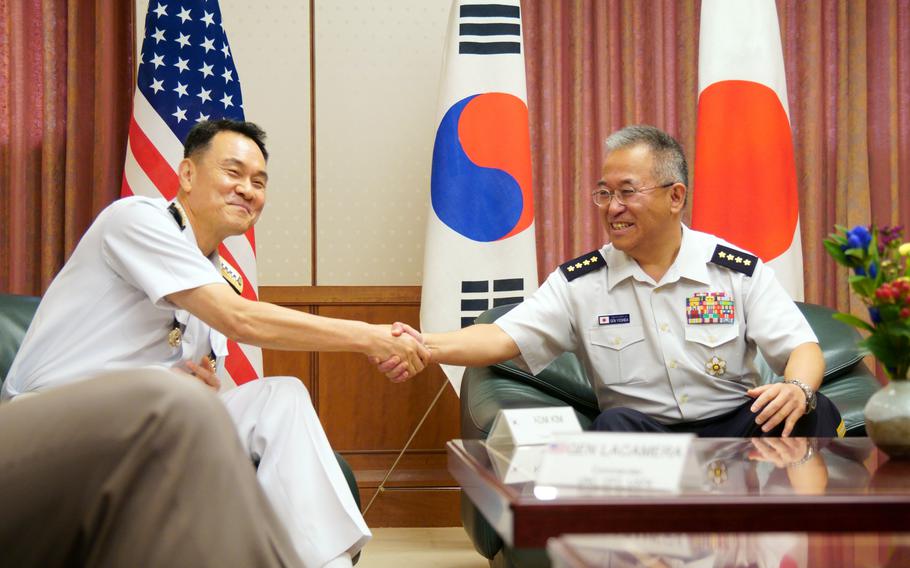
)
(778, 451)
(408, 357)
(204, 371)
(393, 367)
(776, 403)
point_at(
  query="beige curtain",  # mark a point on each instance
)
(596, 66)
(66, 74)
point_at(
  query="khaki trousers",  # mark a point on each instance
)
(137, 469)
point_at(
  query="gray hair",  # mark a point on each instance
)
(669, 159)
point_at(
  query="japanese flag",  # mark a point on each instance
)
(745, 174)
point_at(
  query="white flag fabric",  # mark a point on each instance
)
(745, 174)
(480, 250)
(187, 74)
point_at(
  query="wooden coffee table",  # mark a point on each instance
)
(847, 486)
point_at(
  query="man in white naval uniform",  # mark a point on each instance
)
(145, 287)
(665, 320)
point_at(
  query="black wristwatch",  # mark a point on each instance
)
(811, 399)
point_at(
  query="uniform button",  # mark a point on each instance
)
(617, 340)
(664, 327)
(672, 364)
(712, 338)
(684, 399)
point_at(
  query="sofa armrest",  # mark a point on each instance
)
(486, 390)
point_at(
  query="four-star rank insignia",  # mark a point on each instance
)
(588, 262)
(734, 259)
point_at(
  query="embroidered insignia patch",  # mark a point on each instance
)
(232, 276)
(710, 307)
(588, 262)
(614, 319)
(734, 259)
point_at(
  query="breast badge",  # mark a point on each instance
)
(716, 366)
(717, 473)
(174, 337)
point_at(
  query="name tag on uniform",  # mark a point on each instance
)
(614, 319)
(710, 307)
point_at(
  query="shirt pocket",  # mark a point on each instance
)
(704, 343)
(712, 336)
(615, 352)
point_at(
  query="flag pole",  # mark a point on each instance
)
(407, 444)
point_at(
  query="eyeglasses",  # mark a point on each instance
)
(602, 197)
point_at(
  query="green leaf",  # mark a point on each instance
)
(889, 313)
(884, 349)
(850, 319)
(836, 253)
(862, 285)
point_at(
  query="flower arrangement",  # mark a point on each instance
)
(881, 278)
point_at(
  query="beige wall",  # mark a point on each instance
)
(376, 80)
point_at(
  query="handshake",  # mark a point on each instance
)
(399, 351)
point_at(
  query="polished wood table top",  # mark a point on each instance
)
(728, 485)
(729, 550)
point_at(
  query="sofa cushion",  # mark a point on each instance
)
(16, 313)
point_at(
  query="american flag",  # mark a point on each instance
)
(186, 75)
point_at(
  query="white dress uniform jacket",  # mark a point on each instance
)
(107, 310)
(678, 350)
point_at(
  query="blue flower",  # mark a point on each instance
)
(859, 237)
(873, 270)
(874, 315)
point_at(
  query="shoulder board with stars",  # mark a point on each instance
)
(176, 211)
(232, 276)
(588, 262)
(734, 259)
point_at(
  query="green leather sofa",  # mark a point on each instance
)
(486, 390)
(16, 313)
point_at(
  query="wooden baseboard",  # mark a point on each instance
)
(414, 507)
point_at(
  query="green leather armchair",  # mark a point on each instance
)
(486, 390)
(16, 313)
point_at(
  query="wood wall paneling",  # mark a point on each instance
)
(367, 418)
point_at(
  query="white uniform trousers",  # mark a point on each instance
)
(298, 471)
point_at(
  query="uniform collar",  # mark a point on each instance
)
(691, 262)
(190, 236)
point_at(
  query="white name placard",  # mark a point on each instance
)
(516, 464)
(627, 461)
(526, 426)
